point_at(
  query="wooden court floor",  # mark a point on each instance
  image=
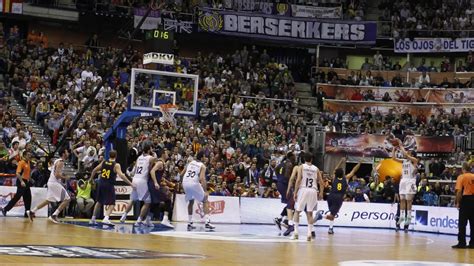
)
(345, 245)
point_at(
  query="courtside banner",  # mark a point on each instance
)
(263, 211)
(434, 45)
(38, 195)
(123, 190)
(222, 210)
(119, 208)
(359, 214)
(436, 219)
(277, 28)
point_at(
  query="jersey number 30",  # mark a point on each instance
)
(190, 174)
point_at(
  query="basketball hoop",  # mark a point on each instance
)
(168, 111)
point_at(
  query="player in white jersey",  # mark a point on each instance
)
(140, 191)
(194, 186)
(56, 191)
(306, 193)
(407, 186)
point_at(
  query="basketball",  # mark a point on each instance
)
(395, 142)
(389, 167)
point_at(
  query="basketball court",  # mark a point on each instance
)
(42, 242)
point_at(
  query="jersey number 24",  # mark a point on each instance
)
(105, 174)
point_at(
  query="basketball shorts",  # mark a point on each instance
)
(156, 195)
(335, 201)
(140, 192)
(105, 193)
(56, 192)
(307, 200)
(407, 188)
(193, 191)
(282, 188)
(290, 200)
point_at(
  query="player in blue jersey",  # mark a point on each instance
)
(159, 194)
(283, 172)
(338, 190)
(108, 171)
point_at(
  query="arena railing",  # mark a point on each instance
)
(54, 4)
(403, 33)
(435, 77)
(384, 29)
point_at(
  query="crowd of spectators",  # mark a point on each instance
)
(369, 189)
(457, 122)
(427, 18)
(370, 75)
(243, 140)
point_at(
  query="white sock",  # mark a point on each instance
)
(165, 216)
(93, 218)
(296, 228)
(56, 212)
(34, 209)
(106, 218)
(331, 224)
(190, 219)
(139, 220)
(402, 214)
(208, 220)
(310, 229)
(148, 218)
(290, 222)
(124, 216)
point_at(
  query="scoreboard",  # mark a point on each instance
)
(159, 40)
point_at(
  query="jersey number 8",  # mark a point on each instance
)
(339, 187)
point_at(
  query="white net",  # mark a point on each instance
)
(168, 111)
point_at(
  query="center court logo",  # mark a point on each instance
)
(215, 207)
(421, 217)
(78, 252)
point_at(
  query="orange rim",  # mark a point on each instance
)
(168, 107)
